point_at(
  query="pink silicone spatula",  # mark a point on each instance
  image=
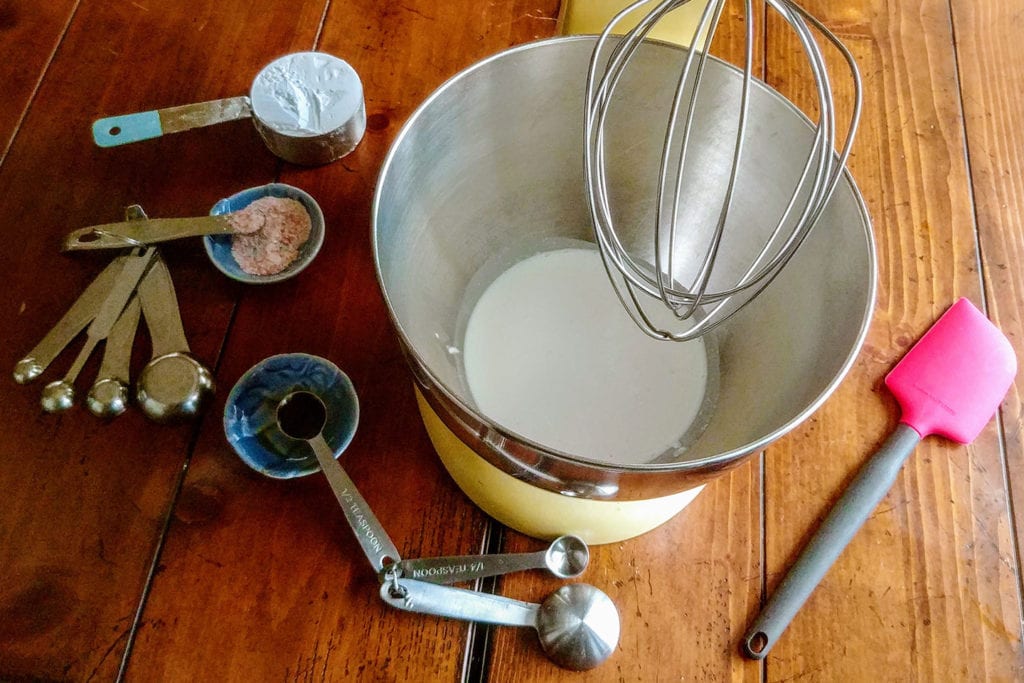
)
(949, 384)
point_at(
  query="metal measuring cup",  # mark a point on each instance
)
(307, 106)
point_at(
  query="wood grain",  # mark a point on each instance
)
(680, 591)
(303, 602)
(933, 565)
(29, 35)
(260, 580)
(991, 80)
(84, 501)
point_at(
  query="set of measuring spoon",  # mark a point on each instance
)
(137, 284)
(577, 625)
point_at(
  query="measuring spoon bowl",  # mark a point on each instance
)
(173, 386)
(577, 625)
(58, 396)
(567, 557)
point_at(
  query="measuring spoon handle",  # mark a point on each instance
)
(108, 395)
(121, 130)
(457, 603)
(70, 325)
(376, 545)
(160, 308)
(139, 233)
(458, 568)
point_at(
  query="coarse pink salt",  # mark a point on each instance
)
(269, 234)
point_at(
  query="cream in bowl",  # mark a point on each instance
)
(548, 353)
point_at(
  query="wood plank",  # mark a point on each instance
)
(266, 582)
(927, 588)
(84, 502)
(682, 589)
(29, 35)
(992, 82)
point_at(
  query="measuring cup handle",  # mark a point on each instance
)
(121, 130)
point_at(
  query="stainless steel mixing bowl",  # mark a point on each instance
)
(492, 161)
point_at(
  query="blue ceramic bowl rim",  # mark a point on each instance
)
(218, 247)
(337, 446)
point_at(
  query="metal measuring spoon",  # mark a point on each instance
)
(74, 320)
(59, 395)
(173, 384)
(302, 415)
(578, 625)
(150, 231)
(567, 557)
(108, 396)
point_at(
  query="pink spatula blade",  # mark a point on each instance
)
(954, 378)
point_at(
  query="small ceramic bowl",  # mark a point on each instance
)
(250, 414)
(218, 247)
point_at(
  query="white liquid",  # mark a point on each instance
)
(306, 94)
(550, 354)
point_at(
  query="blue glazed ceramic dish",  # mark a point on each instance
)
(218, 247)
(250, 414)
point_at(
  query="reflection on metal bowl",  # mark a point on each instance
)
(493, 160)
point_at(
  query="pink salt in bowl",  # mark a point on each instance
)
(218, 247)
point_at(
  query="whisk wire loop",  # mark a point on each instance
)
(699, 296)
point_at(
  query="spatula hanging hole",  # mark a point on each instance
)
(756, 645)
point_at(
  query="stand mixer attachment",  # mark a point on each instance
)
(682, 269)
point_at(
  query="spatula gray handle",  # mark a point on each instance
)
(862, 496)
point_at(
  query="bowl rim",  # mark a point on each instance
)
(246, 377)
(311, 248)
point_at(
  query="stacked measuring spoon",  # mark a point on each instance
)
(577, 625)
(173, 384)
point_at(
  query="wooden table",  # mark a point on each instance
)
(149, 552)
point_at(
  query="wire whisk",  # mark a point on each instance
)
(696, 296)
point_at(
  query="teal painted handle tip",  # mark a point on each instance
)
(121, 130)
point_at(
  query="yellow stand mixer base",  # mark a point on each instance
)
(539, 513)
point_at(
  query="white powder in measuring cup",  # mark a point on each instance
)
(306, 94)
(550, 354)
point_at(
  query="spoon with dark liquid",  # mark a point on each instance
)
(302, 415)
